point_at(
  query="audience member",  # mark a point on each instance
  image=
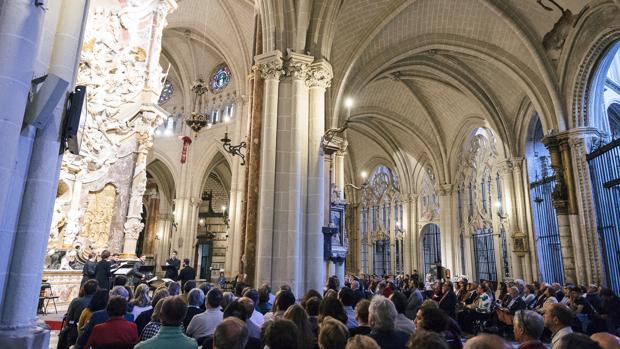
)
(347, 297)
(528, 326)
(402, 323)
(204, 324)
(195, 298)
(116, 330)
(280, 334)
(306, 337)
(146, 316)
(141, 301)
(558, 319)
(447, 302)
(174, 288)
(152, 328)
(173, 311)
(68, 335)
(333, 334)
(331, 306)
(312, 308)
(361, 315)
(606, 340)
(187, 287)
(97, 302)
(231, 333)
(415, 300)
(382, 315)
(284, 299)
(577, 340)
(242, 308)
(487, 341)
(257, 318)
(427, 340)
(227, 298)
(362, 342)
(265, 300)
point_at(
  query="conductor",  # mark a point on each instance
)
(173, 264)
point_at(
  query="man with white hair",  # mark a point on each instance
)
(382, 314)
(528, 326)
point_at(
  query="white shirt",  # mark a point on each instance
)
(351, 322)
(138, 310)
(555, 341)
(204, 324)
(403, 324)
(257, 318)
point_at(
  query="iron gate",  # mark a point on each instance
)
(484, 254)
(547, 233)
(604, 165)
(432, 246)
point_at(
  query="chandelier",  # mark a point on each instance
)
(198, 118)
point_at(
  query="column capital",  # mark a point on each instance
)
(297, 65)
(320, 74)
(270, 65)
(445, 189)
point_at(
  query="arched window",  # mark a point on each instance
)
(220, 77)
(431, 246)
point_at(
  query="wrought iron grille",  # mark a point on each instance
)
(546, 230)
(484, 252)
(605, 176)
(432, 246)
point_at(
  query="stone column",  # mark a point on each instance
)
(392, 232)
(521, 200)
(133, 226)
(151, 225)
(508, 212)
(270, 66)
(413, 232)
(445, 223)
(20, 32)
(18, 319)
(252, 178)
(579, 141)
(561, 203)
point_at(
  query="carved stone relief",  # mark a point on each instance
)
(98, 217)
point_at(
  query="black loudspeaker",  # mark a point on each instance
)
(76, 106)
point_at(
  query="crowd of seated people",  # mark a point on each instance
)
(361, 312)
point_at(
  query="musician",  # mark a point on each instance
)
(103, 271)
(174, 265)
(187, 273)
(138, 277)
(88, 272)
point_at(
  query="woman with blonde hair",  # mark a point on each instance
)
(297, 314)
(141, 300)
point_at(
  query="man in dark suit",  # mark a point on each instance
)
(136, 274)
(103, 271)
(187, 273)
(447, 302)
(174, 264)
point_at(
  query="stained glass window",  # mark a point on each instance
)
(166, 92)
(220, 78)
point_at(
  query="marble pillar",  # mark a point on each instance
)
(320, 76)
(18, 318)
(148, 244)
(270, 65)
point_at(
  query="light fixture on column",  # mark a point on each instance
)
(332, 132)
(198, 118)
(233, 149)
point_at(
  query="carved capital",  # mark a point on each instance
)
(270, 65)
(298, 65)
(445, 189)
(320, 74)
(132, 228)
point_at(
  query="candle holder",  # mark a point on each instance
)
(233, 149)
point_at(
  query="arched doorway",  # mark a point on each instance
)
(431, 246)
